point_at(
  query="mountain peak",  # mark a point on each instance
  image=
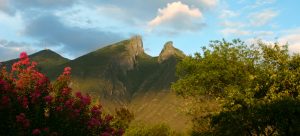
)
(168, 51)
(135, 46)
(168, 45)
(47, 54)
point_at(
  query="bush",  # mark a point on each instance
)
(31, 105)
(122, 118)
(149, 130)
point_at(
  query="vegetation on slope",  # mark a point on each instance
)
(256, 88)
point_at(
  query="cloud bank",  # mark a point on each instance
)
(177, 17)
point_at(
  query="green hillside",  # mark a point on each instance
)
(46, 59)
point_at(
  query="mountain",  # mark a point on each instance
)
(122, 74)
(46, 59)
(170, 51)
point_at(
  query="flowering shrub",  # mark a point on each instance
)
(31, 105)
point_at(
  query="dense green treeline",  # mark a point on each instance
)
(240, 89)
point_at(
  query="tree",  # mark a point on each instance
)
(123, 118)
(252, 83)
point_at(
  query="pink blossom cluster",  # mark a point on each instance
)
(31, 105)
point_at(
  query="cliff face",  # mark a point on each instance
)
(135, 46)
(128, 59)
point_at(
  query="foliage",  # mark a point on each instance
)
(122, 118)
(31, 105)
(201, 110)
(149, 130)
(258, 87)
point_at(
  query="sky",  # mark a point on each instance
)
(75, 27)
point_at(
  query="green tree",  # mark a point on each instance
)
(122, 118)
(255, 85)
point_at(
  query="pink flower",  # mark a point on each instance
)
(26, 123)
(23, 55)
(5, 101)
(86, 100)
(42, 80)
(77, 111)
(25, 102)
(66, 91)
(67, 71)
(4, 85)
(69, 103)
(48, 98)
(25, 61)
(60, 100)
(108, 118)
(59, 108)
(78, 95)
(21, 118)
(35, 95)
(36, 132)
(121, 132)
(93, 122)
(105, 134)
(46, 129)
(96, 110)
(33, 64)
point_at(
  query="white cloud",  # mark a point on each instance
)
(172, 11)
(228, 14)
(10, 49)
(209, 3)
(263, 34)
(255, 41)
(235, 32)
(259, 3)
(292, 37)
(177, 16)
(14, 22)
(263, 17)
(240, 31)
(231, 24)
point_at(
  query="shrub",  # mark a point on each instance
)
(122, 118)
(31, 105)
(149, 130)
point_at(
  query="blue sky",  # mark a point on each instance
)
(75, 27)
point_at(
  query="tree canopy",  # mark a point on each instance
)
(256, 85)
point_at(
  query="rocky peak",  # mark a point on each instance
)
(168, 51)
(133, 49)
(135, 46)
